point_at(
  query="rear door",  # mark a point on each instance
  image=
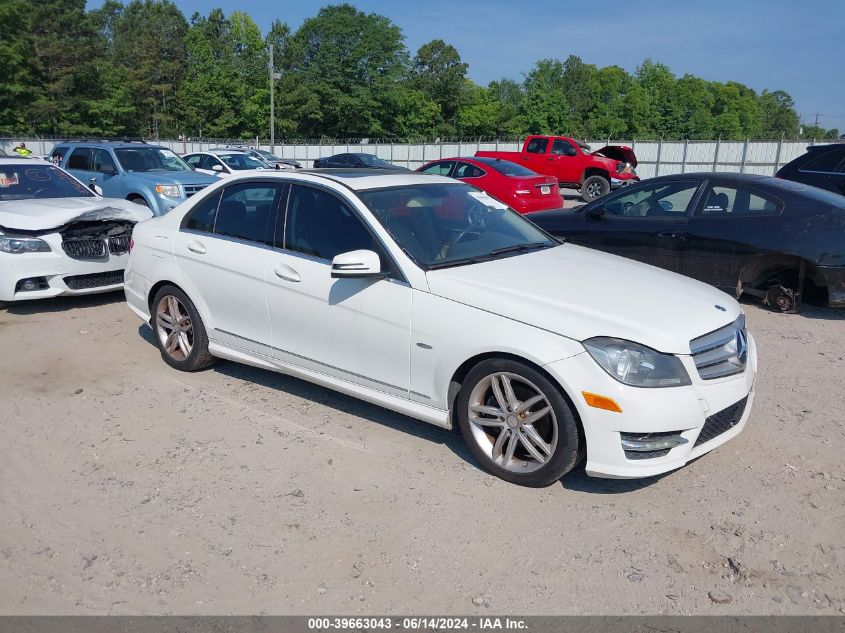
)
(644, 222)
(536, 156)
(730, 225)
(223, 247)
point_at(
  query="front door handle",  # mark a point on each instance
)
(196, 247)
(677, 236)
(283, 271)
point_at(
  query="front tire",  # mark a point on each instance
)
(517, 423)
(595, 187)
(179, 332)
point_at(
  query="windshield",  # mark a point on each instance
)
(441, 225)
(242, 161)
(24, 182)
(266, 155)
(150, 159)
(373, 161)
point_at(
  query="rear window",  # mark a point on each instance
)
(509, 169)
(831, 162)
(537, 145)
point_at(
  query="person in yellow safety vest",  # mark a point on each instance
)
(22, 150)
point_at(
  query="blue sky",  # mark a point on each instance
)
(776, 44)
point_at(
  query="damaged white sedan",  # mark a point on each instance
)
(57, 237)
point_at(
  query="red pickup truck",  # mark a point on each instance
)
(574, 165)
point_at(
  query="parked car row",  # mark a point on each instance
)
(426, 293)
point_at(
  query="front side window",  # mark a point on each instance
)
(441, 168)
(103, 162)
(666, 199)
(80, 158)
(149, 159)
(245, 210)
(24, 182)
(465, 170)
(563, 147)
(442, 225)
(537, 145)
(737, 202)
(828, 162)
(320, 224)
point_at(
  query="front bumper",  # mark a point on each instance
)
(616, 183)
(63, 275)
(672, 409)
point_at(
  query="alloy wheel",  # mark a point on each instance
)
(174, 327)
(513, 422)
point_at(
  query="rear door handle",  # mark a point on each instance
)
(283, 271)
(196, 247)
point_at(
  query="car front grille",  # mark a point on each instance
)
(723, 352)
(94, 280)
(119, 244)
(95, 247)
(84, 248)
(722, 421)
(192, 189)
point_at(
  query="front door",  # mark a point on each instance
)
(106, 174)
(223, 248)
(645, 222)
(356, 330)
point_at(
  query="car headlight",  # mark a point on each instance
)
(17, 245)
(637, 365)
(170, 191)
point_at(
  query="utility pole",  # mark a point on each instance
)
(274, 76)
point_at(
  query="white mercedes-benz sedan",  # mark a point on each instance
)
(57, 237)
(426, 296)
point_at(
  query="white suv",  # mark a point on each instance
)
(426, 296)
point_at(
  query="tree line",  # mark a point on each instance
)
(143, 69)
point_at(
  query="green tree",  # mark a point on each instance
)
(545, 109)
(148, 45)
(606, 119)
(508, 96)
(341, 73)
(779, 116)
(19, 83)
(437, 70)
(479, 112)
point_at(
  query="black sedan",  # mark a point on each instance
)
(774, 239)
(355, 160)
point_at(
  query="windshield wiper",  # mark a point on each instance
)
(456, 262)
(520, 248)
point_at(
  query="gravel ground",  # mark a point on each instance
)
(129, 488)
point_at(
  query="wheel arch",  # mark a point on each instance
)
(759, 269)
(189, 291)
(595, 171)
(461, 372)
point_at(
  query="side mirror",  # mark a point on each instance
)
(108, 170)
(217, 168)
(596, 212)
(357, 264)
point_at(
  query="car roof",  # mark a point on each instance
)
(815, 148)
(113, 144)
(354, 179)
(20, 160)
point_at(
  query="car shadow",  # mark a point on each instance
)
(63, 304)
(579, 481)
(334, 400)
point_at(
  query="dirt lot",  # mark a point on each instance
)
(127, 487)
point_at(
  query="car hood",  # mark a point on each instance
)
(618, 152)
(175, 178)
(44, 214)
(580, 293)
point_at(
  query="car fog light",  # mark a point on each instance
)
(643, 442)
(31, 283)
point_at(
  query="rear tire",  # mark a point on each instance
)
(595, 187)
(179, 331)
(517, 423)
